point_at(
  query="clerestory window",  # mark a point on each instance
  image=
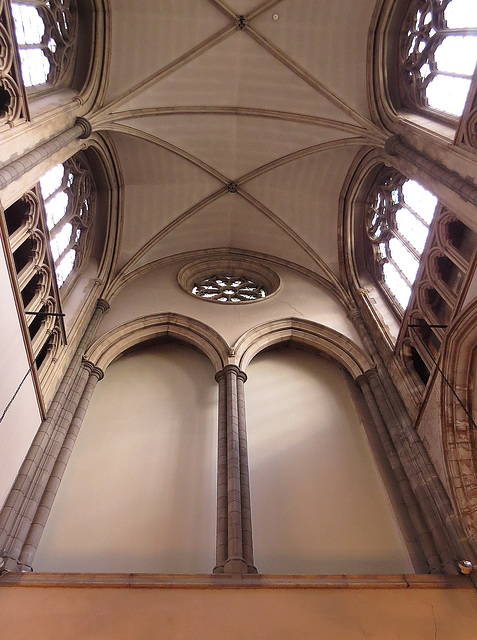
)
(46, 36)
(438, 55)
(68, 193)
(398, 220)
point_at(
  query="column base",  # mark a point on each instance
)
(236, 565)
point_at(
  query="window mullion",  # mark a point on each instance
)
(391, 261)
(70, 246)
(403, 240)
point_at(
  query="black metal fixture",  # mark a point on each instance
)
(232, 187)
(444, 326)
(45, 313)
(241, 22)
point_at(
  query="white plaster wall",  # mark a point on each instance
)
(22, 419)
(318, 502)
(158, 291)
(139, 492)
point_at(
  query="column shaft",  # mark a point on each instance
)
(16, 169)
(244, 477)
(421, 530)
(222, 503)
(235, 553)
(434, 503)
(91, 375)
(25, 495)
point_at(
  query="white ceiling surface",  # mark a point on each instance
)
(201, 127)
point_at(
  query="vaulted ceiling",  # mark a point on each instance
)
(236, 132)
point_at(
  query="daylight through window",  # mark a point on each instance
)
(439, 54)
(228, 288)
(45, 31)
(68, 193)
(398, 225)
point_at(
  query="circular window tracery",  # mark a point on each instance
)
(228, 280)
(228, 288)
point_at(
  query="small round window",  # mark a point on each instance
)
(228, 288)
(229, 280)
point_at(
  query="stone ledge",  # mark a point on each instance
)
(221, 581)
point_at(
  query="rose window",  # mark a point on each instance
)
(227, 288)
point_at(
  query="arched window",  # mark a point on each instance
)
(397, 225)
(68, 193)
(46, 36)
(438, 55)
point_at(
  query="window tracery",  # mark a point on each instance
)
(68, 193)
(398, 222)
(438, 55)
(48, 230)
(228, 288)
(46, 37)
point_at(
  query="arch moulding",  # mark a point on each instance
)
(316, 336)
(112, 344)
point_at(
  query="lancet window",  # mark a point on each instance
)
(421, 255)
(48, 231)
(45, 31)
(438, 55)
(398, 221)
(68, 194)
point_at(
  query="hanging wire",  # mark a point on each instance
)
(471, 419)
(16, 391)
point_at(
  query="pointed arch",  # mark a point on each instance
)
(328, 342)
(112, 344)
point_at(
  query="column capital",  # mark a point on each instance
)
(391, 144)
(86, 126)
(355, 315)
(228, 369)
(366, 377)
(93, 369)
(102, 305)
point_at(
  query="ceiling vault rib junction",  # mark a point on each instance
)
(252, 112)
(224, 8)
(278, 162)
(314, 83)
(165, 71)
(168, 228)
(149, 137)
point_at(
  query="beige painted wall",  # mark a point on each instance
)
(157, 291)
(22, 419)
(238, 614)
(139, 492)
(318, 502)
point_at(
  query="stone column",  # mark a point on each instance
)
(422, 534)
(429, 492)
(247, 544)
(17, 168)
(222, 508)
(235, 561)
(23, 500)
(234, 529)
(91, 376)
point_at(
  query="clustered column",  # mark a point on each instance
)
(234, 552)
(439, 531)
(25, 511)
